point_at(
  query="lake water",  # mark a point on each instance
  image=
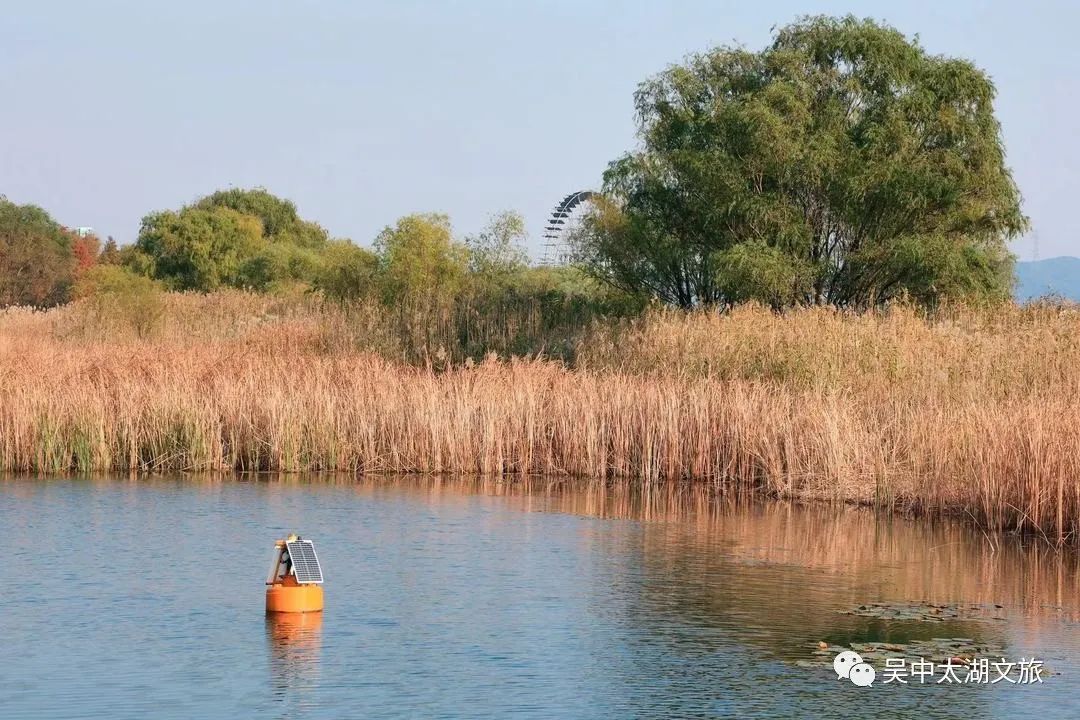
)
(466, 599)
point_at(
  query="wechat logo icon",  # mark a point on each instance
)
(850, 665)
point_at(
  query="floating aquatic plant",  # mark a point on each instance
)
(927, 612)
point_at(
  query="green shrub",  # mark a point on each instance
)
(115, 296)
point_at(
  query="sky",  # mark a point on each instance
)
(361, 112)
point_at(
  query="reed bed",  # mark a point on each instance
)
(969, 412)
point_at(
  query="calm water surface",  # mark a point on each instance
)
(457, 599)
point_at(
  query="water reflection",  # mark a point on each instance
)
(488, 599)
(295, 644)
(935, 561)
(736, 575)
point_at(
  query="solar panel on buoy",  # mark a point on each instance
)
(305, 562)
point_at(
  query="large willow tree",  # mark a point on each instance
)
(843, 164)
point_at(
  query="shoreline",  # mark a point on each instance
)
(700, 498)
(974, 415)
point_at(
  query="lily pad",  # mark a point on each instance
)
(926, 612)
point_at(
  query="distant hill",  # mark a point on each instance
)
(1053, 276)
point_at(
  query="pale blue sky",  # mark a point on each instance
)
(364, 111)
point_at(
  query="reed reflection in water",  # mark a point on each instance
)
(472, 598)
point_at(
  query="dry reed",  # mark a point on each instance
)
(972, 413)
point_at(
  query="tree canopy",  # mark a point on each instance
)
(253, 240)
(497, 252)
(200, 249)
(280, 221)
(348, 272)
(234, 238)
(421, 292)
(420, 258)
(842, 164)
(37, 258)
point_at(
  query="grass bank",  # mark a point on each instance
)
(973, 412)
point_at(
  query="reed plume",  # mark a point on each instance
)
(971, 411)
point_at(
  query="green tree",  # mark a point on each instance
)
(36, 261)
(497, 254)
(876, 169)
(754, 270)
(420, 260)
(277, 263)
(198, 249)
(117, 295)
(236, 238)
(279, 218)
(348, 272)
(137, 261)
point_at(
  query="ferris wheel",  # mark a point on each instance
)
(566, 214)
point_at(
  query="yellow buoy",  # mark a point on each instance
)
(294, 583)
